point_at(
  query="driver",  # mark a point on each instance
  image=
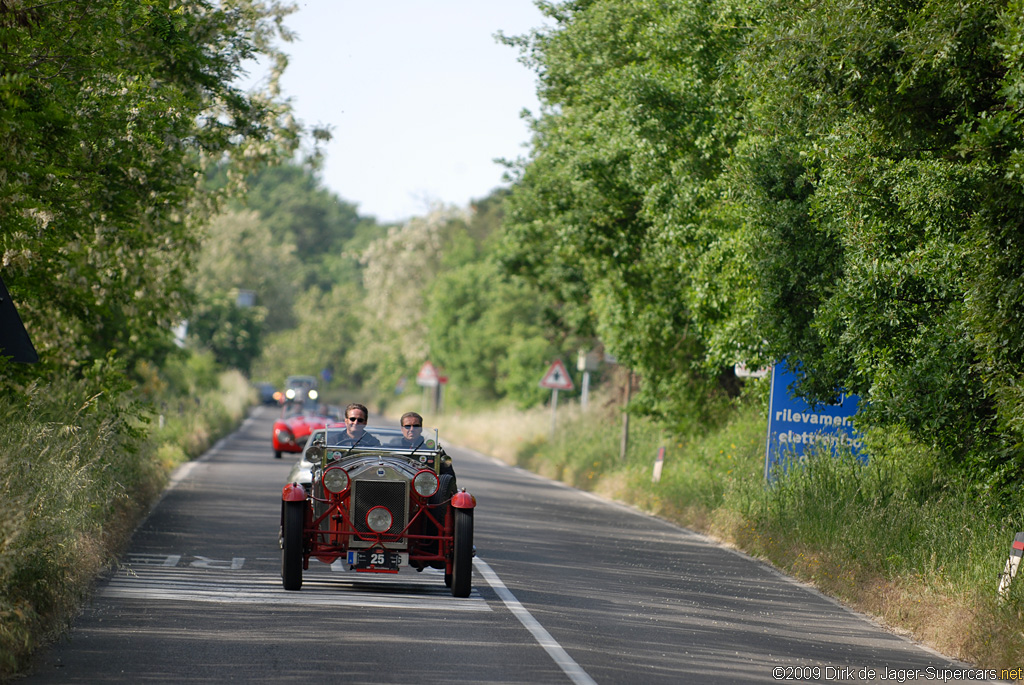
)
(355, 427)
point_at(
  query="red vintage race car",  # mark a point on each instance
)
(292, 428)
(376, 503)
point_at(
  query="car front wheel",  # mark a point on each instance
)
(291, 547)
(462, 561)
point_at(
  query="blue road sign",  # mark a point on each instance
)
(794, 427)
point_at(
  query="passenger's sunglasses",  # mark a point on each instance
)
(357, 419)
(414, 425)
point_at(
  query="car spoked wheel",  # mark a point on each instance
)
(291, 545)
(462, 561)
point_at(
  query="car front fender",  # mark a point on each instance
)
(463, 500)
(293, 492)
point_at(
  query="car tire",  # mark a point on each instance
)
(462, 560)
(439, 509)
(291, 547)
(445, 491)
(277, 454)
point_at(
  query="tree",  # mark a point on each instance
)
(229, 331)
(617, 207)
(240, 253)
(110, 113)
(326, 333)
(883, 180)
(298, 210)
(397, 272)
(487, 332)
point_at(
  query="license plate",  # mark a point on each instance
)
(374, 560)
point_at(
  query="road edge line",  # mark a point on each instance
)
(542, 636)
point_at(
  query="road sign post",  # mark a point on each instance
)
(585, 363)
(428, 378)
(556, 378)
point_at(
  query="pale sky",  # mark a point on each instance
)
(419, 95)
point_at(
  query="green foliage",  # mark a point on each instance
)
(232, 333)
(713, 181)
(487, 333)
(85, 460)
(890, 516)
(239, 252)
(894, 243)
(111, 111)
(398, 269)
(328, 330)
(298, 211)
(614, 211)
(432, 293)
(294, 249)
(186, 374)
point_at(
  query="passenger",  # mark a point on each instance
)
(355, 427)
(412, 437)
(412, 431)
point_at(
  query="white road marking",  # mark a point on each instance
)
(188, 584)
(205, 562)
(144, 559)
(543, 637)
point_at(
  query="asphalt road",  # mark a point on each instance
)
(566, 588)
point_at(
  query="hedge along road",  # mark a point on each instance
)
(566, 588)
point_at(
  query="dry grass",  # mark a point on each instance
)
(504, 433)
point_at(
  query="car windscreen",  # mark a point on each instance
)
(381, 438)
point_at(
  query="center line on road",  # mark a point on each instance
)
(543, 637)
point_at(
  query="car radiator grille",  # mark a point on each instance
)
(367, 494)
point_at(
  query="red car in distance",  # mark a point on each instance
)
(295, 424)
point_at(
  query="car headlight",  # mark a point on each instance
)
(336, 480)
(285, 436)
(313, 394)
(290, 393)
(379, 519)
(425, 483)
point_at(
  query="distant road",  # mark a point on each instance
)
(567, 588)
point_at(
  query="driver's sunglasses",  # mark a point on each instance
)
(357, 419)
(414, 425)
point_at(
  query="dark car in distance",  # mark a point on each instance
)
(301, 389)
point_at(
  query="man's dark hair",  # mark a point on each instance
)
(360, 407)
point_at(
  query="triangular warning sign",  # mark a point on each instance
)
(14, 340)
(557, 378)
(427, 377)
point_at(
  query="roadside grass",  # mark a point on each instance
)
(896, 538)
(502, 432)
(78, 470)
